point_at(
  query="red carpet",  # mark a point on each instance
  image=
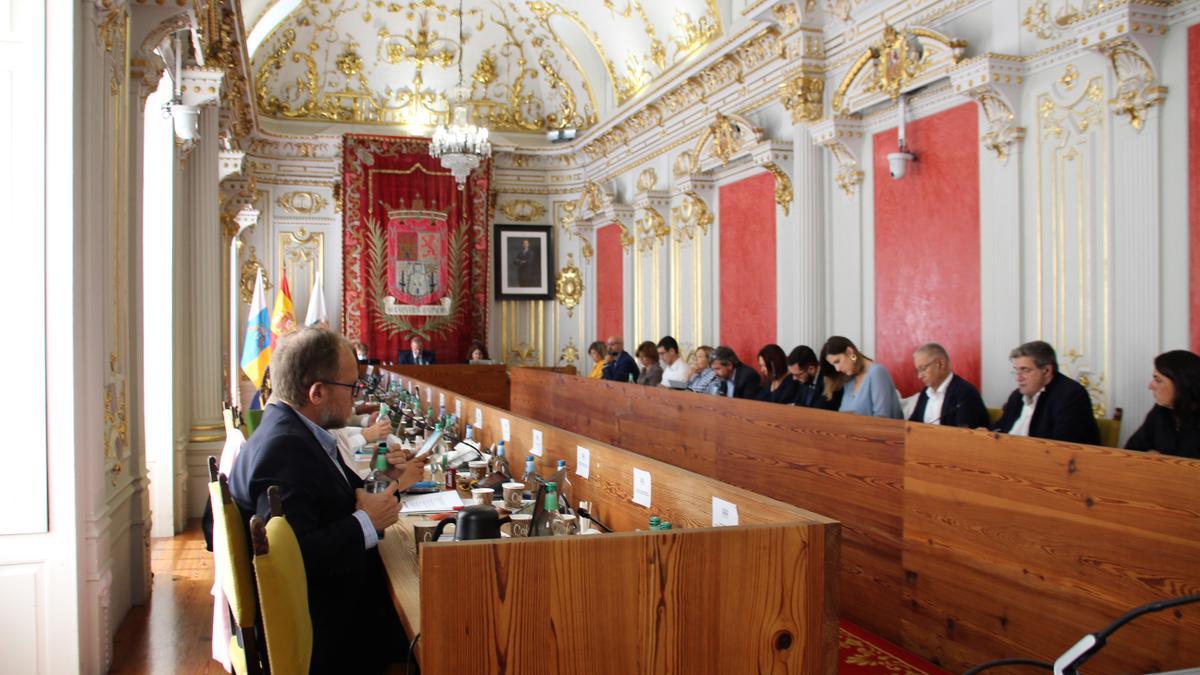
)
(861, 653)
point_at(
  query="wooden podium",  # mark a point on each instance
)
(757, 597)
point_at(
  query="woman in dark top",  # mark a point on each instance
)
(779, 387)
(1172, 426)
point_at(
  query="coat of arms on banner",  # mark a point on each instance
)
(411, 270)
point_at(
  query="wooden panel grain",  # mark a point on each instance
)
(634, 603)
(1017, 547)
(848, 468)
(483, 383)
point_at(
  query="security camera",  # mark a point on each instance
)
(187, 121)
(898, 163)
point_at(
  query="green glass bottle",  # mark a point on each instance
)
(544, 527)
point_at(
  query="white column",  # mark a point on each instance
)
(1000, 283)
(204, 373)
(1135, 265)
(801, 251)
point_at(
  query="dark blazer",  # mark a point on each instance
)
(1063, 413)
(745, 381)
(961, 407)
(347, 588)
(406, 358)
(1158, 432)
(812, 394)
(620, 368)
(785, 393)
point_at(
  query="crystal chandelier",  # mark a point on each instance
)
(460, 145)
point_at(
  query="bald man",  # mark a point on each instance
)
(619, 366)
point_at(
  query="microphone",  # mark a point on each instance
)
(952, 408)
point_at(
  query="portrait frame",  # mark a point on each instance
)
(523, 262)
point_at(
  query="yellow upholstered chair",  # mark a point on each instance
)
(994, 415)
(282, 589)
(231, 555)
(1110, 430)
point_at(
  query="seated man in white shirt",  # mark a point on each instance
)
(947, 399)
(1046, 403)
(351, 439)
(674, 368)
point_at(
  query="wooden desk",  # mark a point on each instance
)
(759, 597)
(962, 546)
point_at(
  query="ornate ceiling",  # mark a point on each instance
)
(531, 65)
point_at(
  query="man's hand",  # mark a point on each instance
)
(408, 471)
(377, 430)
(381, 507)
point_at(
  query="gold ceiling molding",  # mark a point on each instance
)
(690, 215)
(301, 202)
(803, 95)
(783, 187)
(890, 66)
(522, 210)
(763, 48)
(568, 286)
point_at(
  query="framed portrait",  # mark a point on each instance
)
(523, 257)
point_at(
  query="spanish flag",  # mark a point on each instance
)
(283, 319)
(256, 350)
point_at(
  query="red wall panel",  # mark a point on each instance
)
(927, 246)
(1194, 180)
(610, 283)
(747, 212)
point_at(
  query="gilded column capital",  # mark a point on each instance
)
(803, 95)
(843, 137)
(1129, 36)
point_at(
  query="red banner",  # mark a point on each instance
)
(415, 249)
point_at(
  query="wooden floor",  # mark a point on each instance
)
(173, 632)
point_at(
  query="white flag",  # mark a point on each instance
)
(316, 306)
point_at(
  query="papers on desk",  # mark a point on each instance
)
(436, 502)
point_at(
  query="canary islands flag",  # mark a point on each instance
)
(283, 319)
(256, 351)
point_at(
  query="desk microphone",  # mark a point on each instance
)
(954, 407)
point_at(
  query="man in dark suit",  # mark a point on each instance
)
(734, 378)
(946, 399)
(806, 371)
(335, 520)
(620, 366)
(416, 355)
(1046, 403)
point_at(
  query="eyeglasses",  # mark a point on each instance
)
(925, 366)
(355, 389)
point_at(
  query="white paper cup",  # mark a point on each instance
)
(483, 495)
(520, 524)
(513, 495)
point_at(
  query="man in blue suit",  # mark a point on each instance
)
(620, 366)
(946, 399)
(417, 355)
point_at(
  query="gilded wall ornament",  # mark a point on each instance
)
(587, 251)
(727, 137)
(1003, 132)
(685, 163)
(250, 268)
(570, 353)
(301, 202)
(891, 65)
(647, 180)
(783, 187)
(626, 237)
(1137, 89)
(803, 95)
(523, 210)
(690, 215)
(568, 286)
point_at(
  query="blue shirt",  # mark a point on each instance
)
(875, 397)
(703, 382)
(329, 445)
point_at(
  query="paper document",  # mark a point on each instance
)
(641, 487)
(583, 461)
(537, 443)
(479, 418)
(724, 514)
(435, 502)
(505, 430)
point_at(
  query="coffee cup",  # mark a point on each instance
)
(513, 495)
(483, 495)
(478, 469)
(423, 532)
(520, 524)
(564, 524)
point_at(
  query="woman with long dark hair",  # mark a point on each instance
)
(1172, 426)
(778, 385)
(867, 386)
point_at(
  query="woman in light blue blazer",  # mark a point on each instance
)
(867, 386)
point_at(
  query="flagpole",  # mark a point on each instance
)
(245, 218)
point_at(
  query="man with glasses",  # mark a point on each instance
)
(946, 399)
(1046, 403)
(674, 368)
(336, 522)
